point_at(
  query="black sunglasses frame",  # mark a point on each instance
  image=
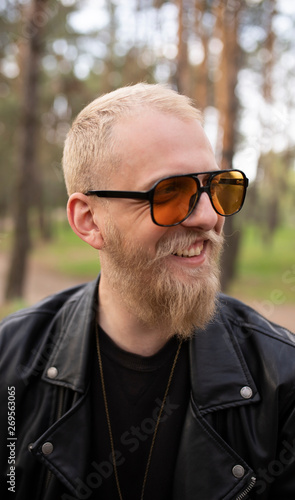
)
(149, 195)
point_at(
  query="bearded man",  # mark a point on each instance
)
(148, 383)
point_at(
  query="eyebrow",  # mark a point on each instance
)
(151, 184)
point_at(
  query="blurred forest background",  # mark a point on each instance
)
(235, 58)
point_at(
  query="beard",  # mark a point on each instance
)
(175, 299)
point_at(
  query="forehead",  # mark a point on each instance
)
(153, 145)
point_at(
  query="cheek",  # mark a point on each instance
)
(149, 236)
(131, 217)
(136, 227)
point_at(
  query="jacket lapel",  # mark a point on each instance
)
(64, 448)
(68, 440)
(206, 464)
(73, 341)
(207, 467)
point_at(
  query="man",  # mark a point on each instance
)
(147, 383)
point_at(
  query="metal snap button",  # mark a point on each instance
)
(47, 448)
(246, 392)
(238, 471)
(52, 372)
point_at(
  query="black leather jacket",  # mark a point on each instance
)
(238, 439)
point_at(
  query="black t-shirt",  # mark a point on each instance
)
(135, 387)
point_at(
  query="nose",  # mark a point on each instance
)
(203, 216)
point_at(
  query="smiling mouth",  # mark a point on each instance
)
(190, 252)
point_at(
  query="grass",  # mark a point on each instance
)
(264, 271)
(67, 254)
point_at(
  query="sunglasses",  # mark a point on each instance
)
(174, 198)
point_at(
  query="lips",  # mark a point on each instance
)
(192, 251)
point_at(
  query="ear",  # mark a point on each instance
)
(84, 220)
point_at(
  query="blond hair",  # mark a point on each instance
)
(89, 152)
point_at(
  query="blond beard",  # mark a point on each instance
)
(153, 292)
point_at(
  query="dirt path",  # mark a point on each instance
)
(42, 282)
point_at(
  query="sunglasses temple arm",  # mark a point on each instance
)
(136, 195)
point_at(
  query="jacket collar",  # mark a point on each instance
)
(220, 377)
(73, 339)
(218, 368)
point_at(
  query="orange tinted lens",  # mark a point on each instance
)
(227, 192)
(173, 200)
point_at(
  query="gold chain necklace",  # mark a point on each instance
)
(109, 421)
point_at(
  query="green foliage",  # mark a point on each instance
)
(270, 199)
(67, 254)
(264, 268)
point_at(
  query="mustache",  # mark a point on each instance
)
(171, 244)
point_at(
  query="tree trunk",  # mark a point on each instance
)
(273, 218)
(227, 24)
(201, 88)
(27, 153)
(182, 76)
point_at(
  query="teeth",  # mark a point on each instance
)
(190, 253)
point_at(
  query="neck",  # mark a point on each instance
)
(124, 328)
